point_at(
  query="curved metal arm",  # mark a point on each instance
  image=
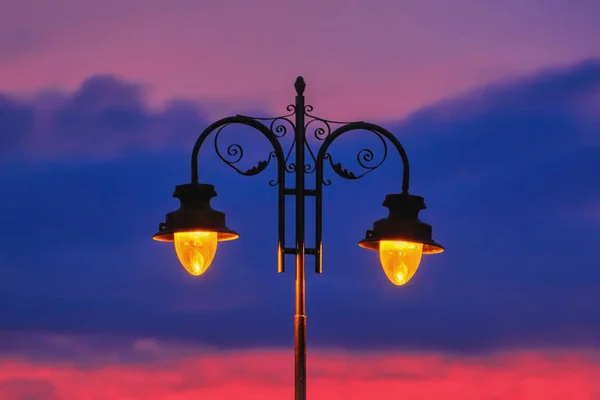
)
(235, 150)
(353, 126)
(366, 155)
(299, 168)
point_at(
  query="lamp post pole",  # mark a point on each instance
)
(401, 238)
(300, 317)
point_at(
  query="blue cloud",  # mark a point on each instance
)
(506, 171)
(104, 118)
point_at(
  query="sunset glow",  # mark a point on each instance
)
(266, 374)
(496, 104)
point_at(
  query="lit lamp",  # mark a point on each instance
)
(195, 227)
(401, 238)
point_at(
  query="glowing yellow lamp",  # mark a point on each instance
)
(196, 250)
(400, 260)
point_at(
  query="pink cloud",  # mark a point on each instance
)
(105, 115)
(267, 374)
(380, 59)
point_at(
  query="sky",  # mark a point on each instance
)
(496, 103)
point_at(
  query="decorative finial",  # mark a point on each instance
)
(300, 85)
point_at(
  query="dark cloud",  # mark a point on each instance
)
(503, 128)
(509, 173)
(103, 118)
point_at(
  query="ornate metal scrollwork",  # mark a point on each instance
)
(235, 153)
(316, 135)
(364, 158)
(276, 128)
(277, 123)
(320, 132)
(279, 127)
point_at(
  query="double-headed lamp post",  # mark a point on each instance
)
(196, 228)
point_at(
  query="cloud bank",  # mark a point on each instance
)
(513, 166)
(163, 371)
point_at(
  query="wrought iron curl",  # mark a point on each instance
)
(321, 132)
(279, 127)
(235, 153)
(290, 167)
(278, 124)
(274, 182)
(364, 158)
(326, 182)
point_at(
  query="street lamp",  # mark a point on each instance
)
(196, 228)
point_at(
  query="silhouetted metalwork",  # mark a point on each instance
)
(311, 141)
(278, 128)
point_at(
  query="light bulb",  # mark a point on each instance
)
(400, 260)
(196, 250)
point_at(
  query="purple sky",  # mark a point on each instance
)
(496, 103)
(376, 59)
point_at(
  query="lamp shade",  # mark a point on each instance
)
(194, 214)
(402, 224)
